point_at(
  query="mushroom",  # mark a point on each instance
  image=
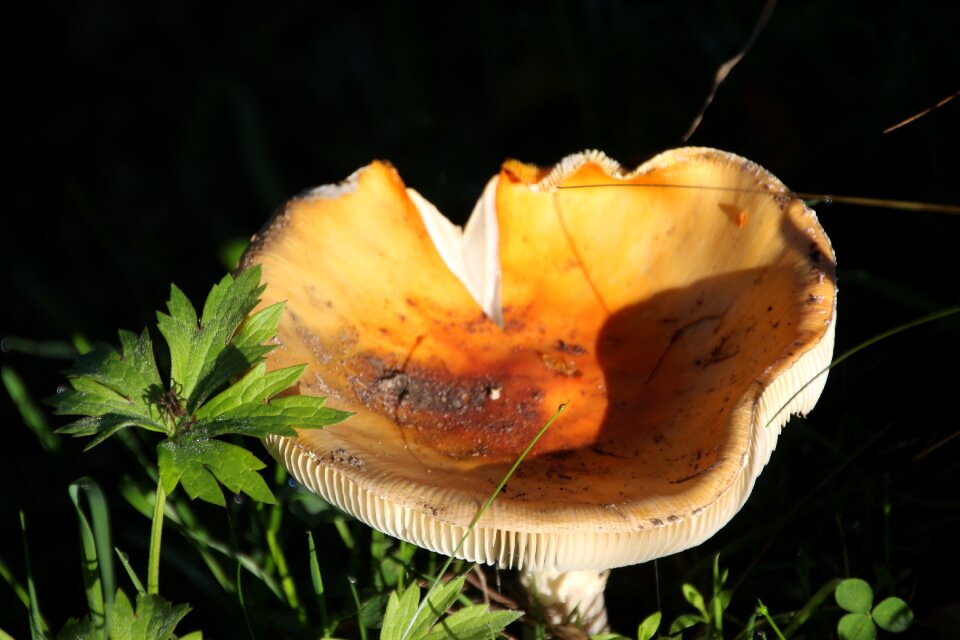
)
(685, 314)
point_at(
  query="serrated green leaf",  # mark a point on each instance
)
(407, 618)
(854, 595)
(200, 464)
(472, 623)
(121, 627)
(260, 327)
(88, 397)
(106, 411)
(437, 601)
(154, 619)
(277, 417)
(608, 636)
(893, 615)
(648, 628)
(400, 611)
(372, 610)
(127, 372)
(104, 426)
(684, 621)
(256, 386)
(856, 626)
(82, 427)
(178, 328)
(73, 629)
(231, 299)
(201, 356)
(225, 310)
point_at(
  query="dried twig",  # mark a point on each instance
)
(917, 116)
(728, 66)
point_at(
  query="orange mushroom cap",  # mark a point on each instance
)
(683, 325)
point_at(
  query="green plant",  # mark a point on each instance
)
(709, 614)
(856, 596)
(217, 386)
(410, 618)
(646, 630)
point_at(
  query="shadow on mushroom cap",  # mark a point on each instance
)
(677, 322)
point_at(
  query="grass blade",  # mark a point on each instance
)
(483, 509)
(18, 589)
(280, 560)
(134, 578)
(53, 349)
(807, 610)
(849, 353)
(317, 581)
(32, 415)
(356, 600)
(38, 626)
(98, 575)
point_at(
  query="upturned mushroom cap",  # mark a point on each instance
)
(682, 323)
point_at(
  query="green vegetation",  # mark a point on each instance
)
(218, 386)
(150, 140)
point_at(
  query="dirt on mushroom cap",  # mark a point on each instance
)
(656, 312)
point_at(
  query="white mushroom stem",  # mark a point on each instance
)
(570, 597)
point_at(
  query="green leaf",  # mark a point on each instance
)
(203, 353)
(693, 596)
(405, 620)
(856, 626)
(893, 615)
(684, 621)
(400, 611)
(30, 413)
(435, 604)
(38, 626)
(90, 398)
(154, 618)
(102, 427)
(245, 351)
(200, 464)
(317, 581)
(134, 578)
(648, 628)
(98, 574)
(719, 603)
(472, 623)
(73, 629)
(256, 386)
(277, 417)
(106, 411)
(370, 613)
(127, 373)
(854, 595)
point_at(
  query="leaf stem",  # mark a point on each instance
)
(156, 530)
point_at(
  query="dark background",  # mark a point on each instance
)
(142, 139)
